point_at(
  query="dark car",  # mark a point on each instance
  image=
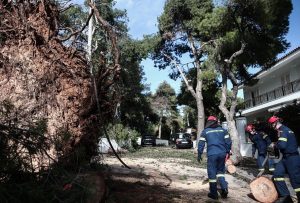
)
(173, 138)
(148, 140)
(183, 141)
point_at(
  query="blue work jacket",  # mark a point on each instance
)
(217, 141)
(260, 143)
(287, 143)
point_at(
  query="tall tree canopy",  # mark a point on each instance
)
(246, 34)
(179, 35)
(164, 103)
(226, 38)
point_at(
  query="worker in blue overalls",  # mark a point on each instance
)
(218, 146)
(261, 141)
(290, 162)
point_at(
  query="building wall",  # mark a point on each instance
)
(273, 81)
(295, 73)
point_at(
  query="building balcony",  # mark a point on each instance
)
(273, 95)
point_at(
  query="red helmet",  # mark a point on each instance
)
(273, 119)
(249, 128)
(212, 118)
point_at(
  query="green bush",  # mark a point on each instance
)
(124, 136)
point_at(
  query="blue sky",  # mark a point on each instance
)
(143, 16)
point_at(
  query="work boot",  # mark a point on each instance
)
(210, 195)
(284, 199)
(298, 196)
(224, 193)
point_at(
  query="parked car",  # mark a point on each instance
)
(173, 138)
(148, 140)
(183, 141)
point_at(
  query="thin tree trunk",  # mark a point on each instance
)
(197, 94)
(229, 114)
(159, 127)
(187, 119)
(232, 130)
(200, 109)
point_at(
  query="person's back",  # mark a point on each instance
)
(261, 141)
(290, 162)
(287, 142)
(215, 140)
(218, 145)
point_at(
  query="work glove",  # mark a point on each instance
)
(199, 158)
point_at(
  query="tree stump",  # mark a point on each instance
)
(263, 189)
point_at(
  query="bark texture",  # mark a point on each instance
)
(42, 78)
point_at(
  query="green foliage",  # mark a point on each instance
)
(22, 178)
(165, 99)
(183, 15)
(178, 22)
(209, 79)
(135, 109)
(189, 115)
(165, 131)
(19, 143)
(124, 136)
(164, 104)
(261, 24)
(209, 92)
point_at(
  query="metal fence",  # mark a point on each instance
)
(274, 94)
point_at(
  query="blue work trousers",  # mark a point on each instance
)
(260, 160)
(288, 165)
(216, 172)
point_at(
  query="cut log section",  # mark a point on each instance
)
(263, 189)
(229, 166)
(231, 169)
(229, 162)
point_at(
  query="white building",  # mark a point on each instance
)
(276, 87)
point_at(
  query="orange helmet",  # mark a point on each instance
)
(212, 118)
(249, 128)
(273, 119)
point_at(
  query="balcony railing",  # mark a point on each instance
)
(274, 94)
